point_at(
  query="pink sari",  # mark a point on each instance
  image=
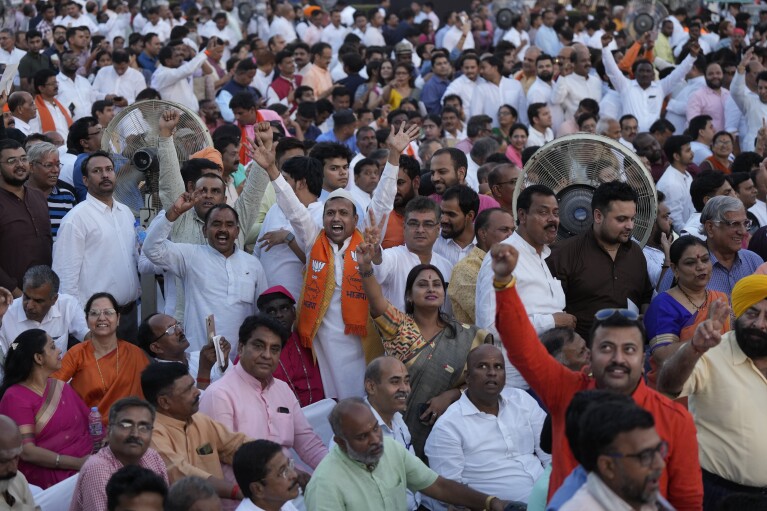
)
(57, 421)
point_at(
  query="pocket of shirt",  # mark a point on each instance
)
(247, 287)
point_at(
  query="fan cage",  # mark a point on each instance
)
(574, 163)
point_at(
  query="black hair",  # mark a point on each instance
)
(681, 244)
(457, 157)
(612, 191)
(129, 402)
(193, 169)
(306, 168)
(326, 150)
(534, 110)
(41, 77)
(286, 144)
(250, 462)
(745, 161)
(100, 106)
(617, 321)
(363, 163)
(186, 492)
(131, 481)
(242, 100)
(158, 377)
(697, 124)
(95, 154)
(738, 178)
(20, 358)
(145, 336)
(555, 339)
(476, 124)
(96, 296)
(147, 94)
(525, 199)
(602, 422)
(262, 320)
(468, 200)
(218, 207)
(581, 402)
(483, 218)
(660, 126)
(410, 166)
(705, 185)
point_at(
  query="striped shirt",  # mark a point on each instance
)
(60, 202)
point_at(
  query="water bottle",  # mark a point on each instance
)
(140, 234)
(95, 427)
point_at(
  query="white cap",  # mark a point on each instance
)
(342, 194)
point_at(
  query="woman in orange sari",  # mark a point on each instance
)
(721, 146)
(673, 315)
(52, 418)
(104, 368)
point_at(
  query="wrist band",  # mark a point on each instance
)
(235, 491)
(488, 500)
(499, 286)
(203, 380)
(366, 274)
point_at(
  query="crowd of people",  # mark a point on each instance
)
(362, 231)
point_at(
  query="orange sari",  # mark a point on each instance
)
(102, 382)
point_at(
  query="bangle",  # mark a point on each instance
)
(203, 380)
(488, 500)
(366, 274)
(235, 491)
(499, 286)
(58, 460)
(665, 266)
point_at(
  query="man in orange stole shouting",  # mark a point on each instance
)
(333, 315)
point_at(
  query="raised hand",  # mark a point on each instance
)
(272, 239)
(695, 49)
(6, 299)
(665, 243)
(365, 253)
(607, 38)
(398, 141)
(504, 260)
(373, 231)
(168, 121)
(709, 333)
(184, 203)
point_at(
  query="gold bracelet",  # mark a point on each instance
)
(500, 286)
(488, 500)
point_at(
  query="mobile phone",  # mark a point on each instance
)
(219, 352)
(421, 410)
(210, 326)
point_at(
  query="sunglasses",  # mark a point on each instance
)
(604, 314)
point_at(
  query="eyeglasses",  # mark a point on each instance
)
(96, 313)
(52, 84)
(604, 314)
(95, 133)
(283, 473)
(647, 456)
(175, 327)
(50, 166)
(14, 161)
(415, 224)
(723, 141)
(745, 224)
(126, 426)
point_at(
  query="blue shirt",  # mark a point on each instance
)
(312, 133)
(571, 484)
(722, 279)
(147, 62)
(432, 93)
(330, 136)
(547, 40)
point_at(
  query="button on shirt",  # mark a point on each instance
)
(272, 413)
(644, 104)
(498, 455)
(95, 250)
(230, 296)
(728, 399)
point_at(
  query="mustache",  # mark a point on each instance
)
(400, 394)
(618, 366)
(135, 441)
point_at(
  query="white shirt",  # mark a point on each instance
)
(675, 186)
(537, 139)
(737, 123)
(759, 209)
(540, 92)
(464, 88)
(65, 317)
(284, 28)
(752, 108)
(700, 152)
(451, 250)
(626, 143)
(248, 505)
(81, 21)
(128, 85)
(396, 265)
(13, 57)
(644, 104)
(334, 36)
(281, 265)
(498, 455)
(692, 227)
(568, 91)
(453, 35)
(96, 251)
(79, 92)
(488, 97)
(373, 37)
(611, 105)
(176, 83)
(262, 81)
(231, 295)
(27, 128)
(361, 197)
(655, 260)
(162, 29)
(676, 110)
(62, 126)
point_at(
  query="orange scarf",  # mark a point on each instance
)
(46, 119)
(319, 284)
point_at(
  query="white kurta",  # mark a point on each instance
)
(396, 265)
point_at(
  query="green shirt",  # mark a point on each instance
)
(340, 483)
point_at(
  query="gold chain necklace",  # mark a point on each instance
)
(697, 308)
(117, 368)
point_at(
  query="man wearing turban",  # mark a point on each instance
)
(725, 378)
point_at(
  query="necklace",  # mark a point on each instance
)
(306, 374)
(697, 307)
(117, 368)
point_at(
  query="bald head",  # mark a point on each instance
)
(481, 352)
(10, 448)
(380, 367)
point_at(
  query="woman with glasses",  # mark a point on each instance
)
(507, 117)
(721, 160)
(432, 345)
(673, 315)
(402, 87)
(104, 368)
(52, 418)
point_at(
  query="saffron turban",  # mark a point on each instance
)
(210, 154)
(748, 292)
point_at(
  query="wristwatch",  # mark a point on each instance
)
(290, 237)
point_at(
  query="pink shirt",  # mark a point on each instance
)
(706, 101)
(273, 413)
